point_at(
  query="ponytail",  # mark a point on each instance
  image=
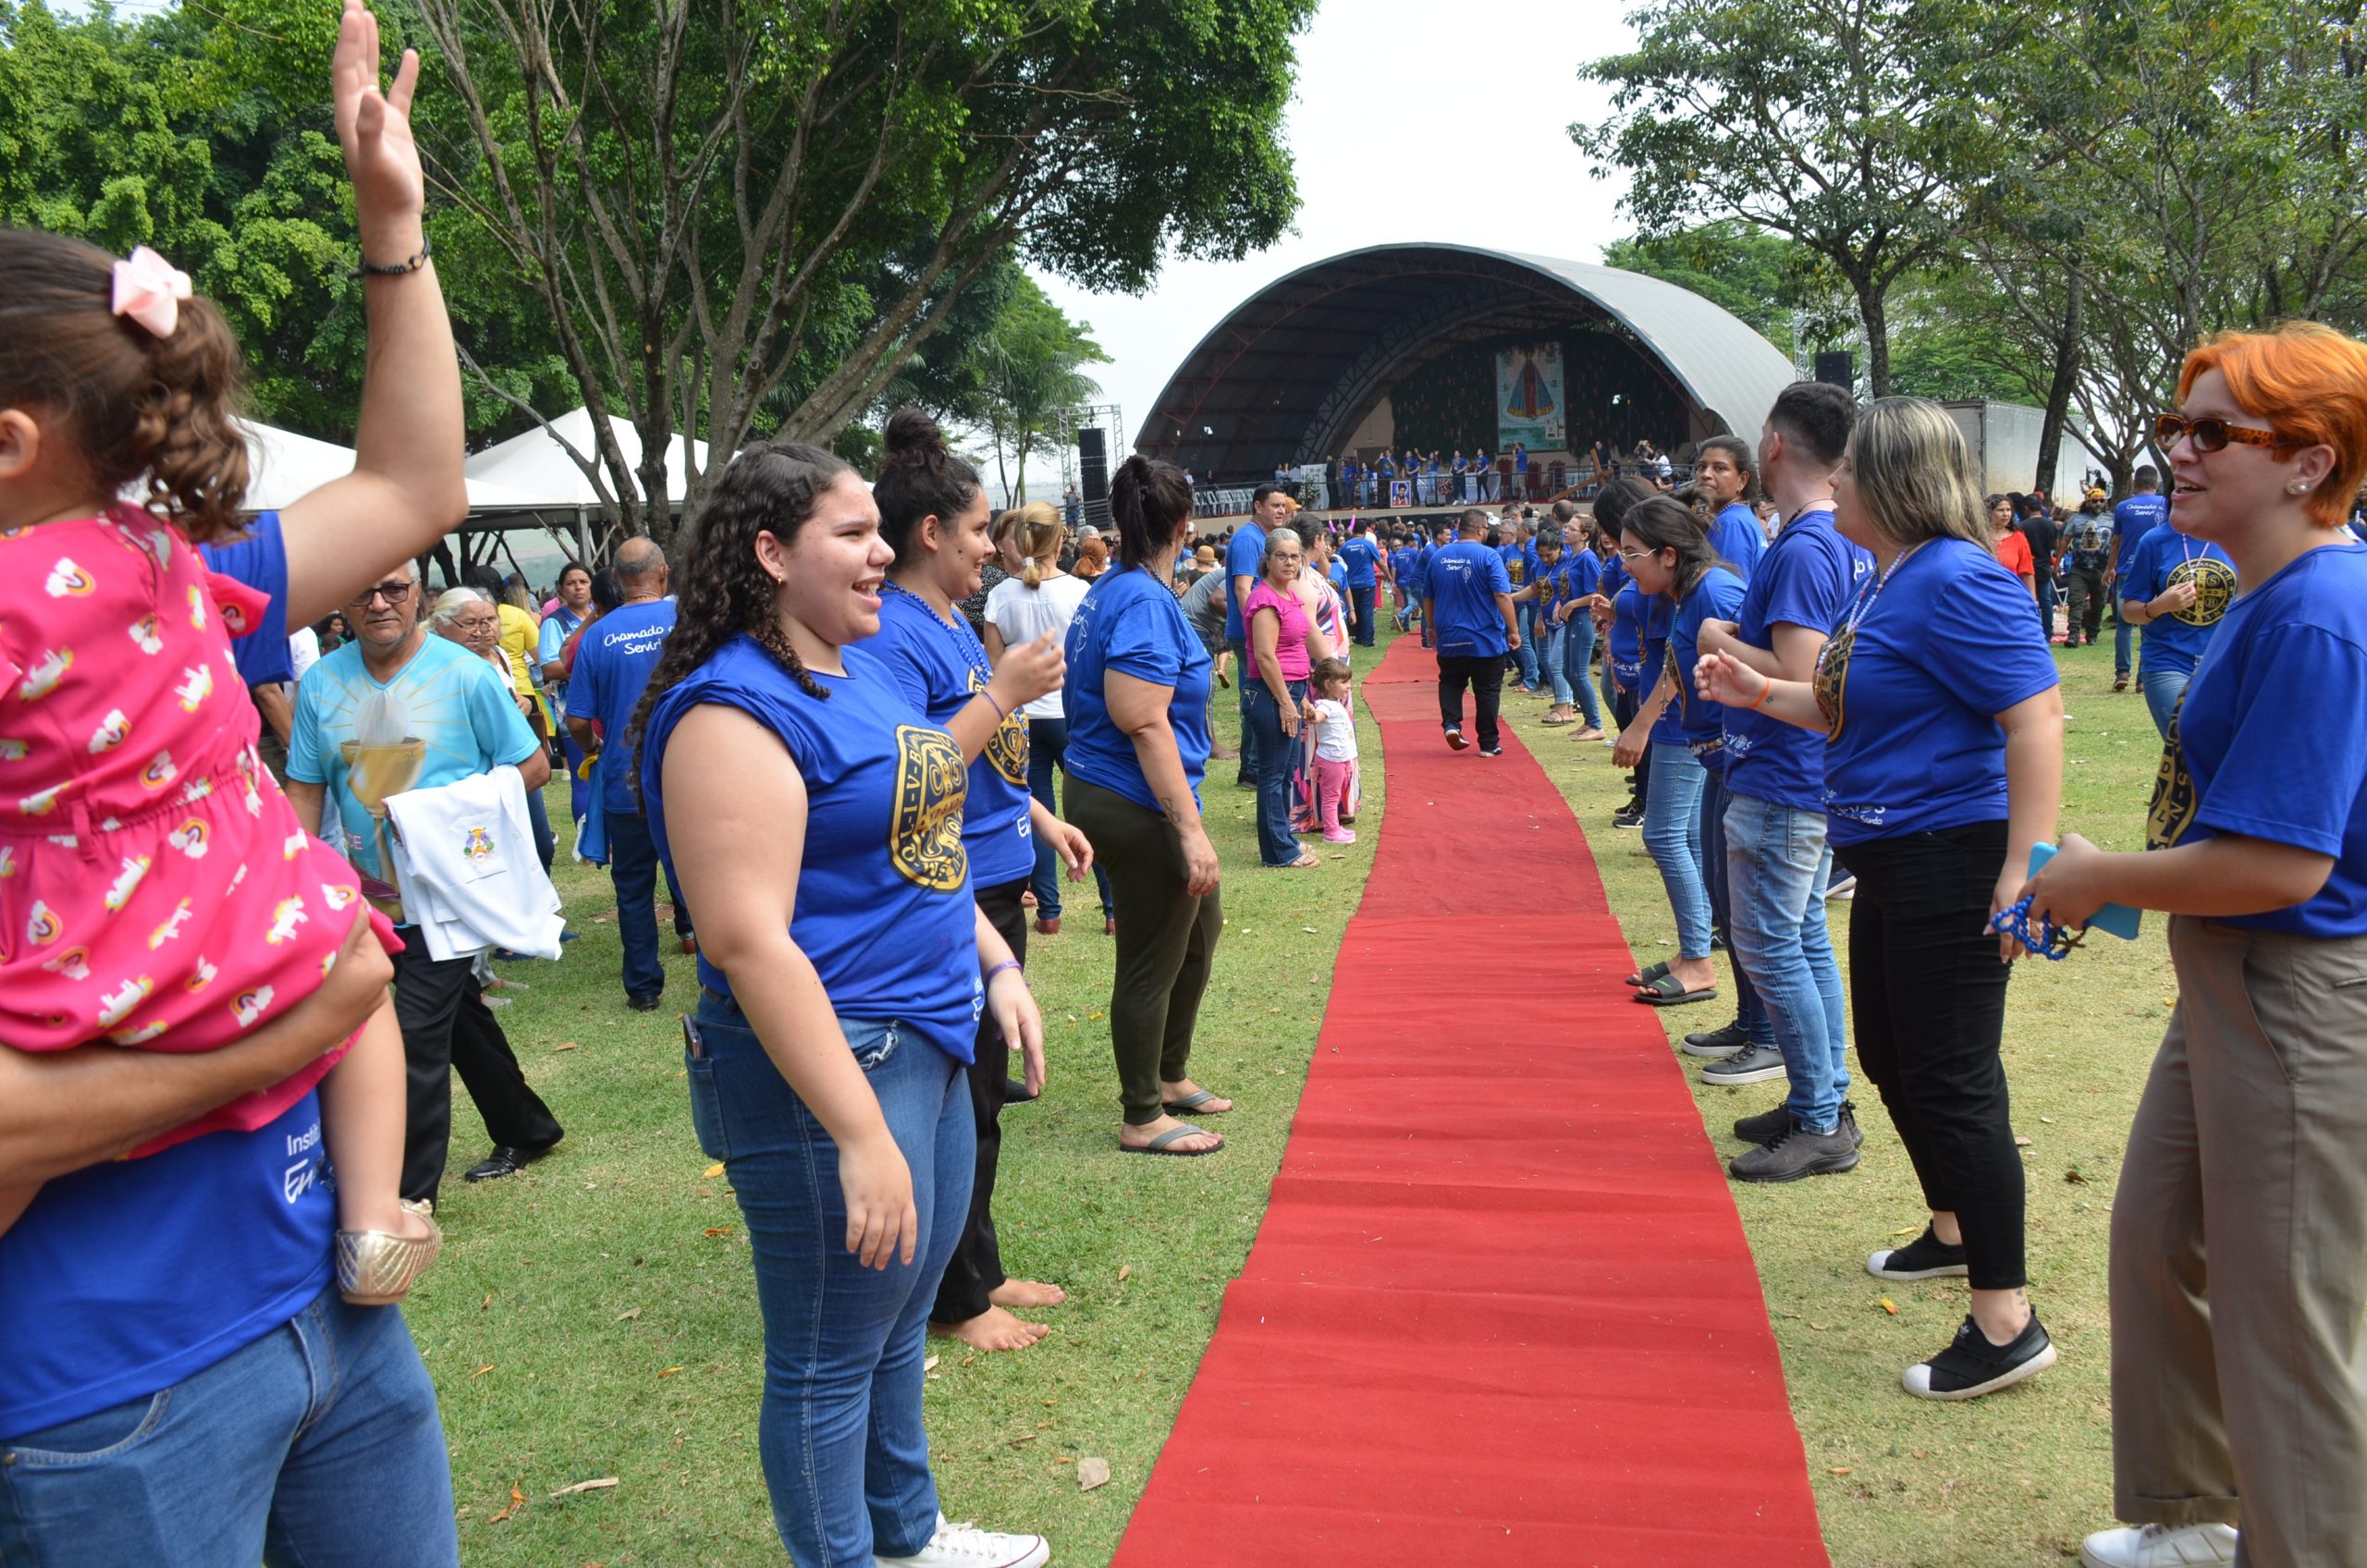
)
(1036, 529)
(156, 413)
(918, 477)
(1148, 501)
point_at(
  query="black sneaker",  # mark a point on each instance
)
(1925, 1257)
(1850, 1123)
(1491, 751)
(1752, 1064)
(1973, 1366)
(1721, 1041)
(1794, 1152)
(1766, 1125)
(1628, 817)
(1454, 738)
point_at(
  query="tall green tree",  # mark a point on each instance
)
(713, 203)
(1032, 382)
(1826, 121)
(1777, 284)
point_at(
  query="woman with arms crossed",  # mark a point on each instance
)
(1138, 746)
(1943, 766)
(2239, 1231)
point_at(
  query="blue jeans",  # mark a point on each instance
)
(1276, 845)
(1777, 863)
(1577, 665)
(1749, 1016)
(839, 1432)
(1672, 838)
(316, 1445)
(1248, 773)
(1363, 599)
(1549, 641)
(2045, 604)
(1047, 746)
(1525, 656)
(2121, 634)
(2163, 688)
(538, 818)
(633, 867)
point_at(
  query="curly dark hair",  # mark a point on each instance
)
(769, 488)
(137, 408)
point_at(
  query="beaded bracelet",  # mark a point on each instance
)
(368, 268)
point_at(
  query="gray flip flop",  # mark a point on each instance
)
(1194, 1101)
(1159, 1145)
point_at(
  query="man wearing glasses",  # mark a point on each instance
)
(470, 721)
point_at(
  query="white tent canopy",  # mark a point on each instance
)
(282, 466)
(537, 468)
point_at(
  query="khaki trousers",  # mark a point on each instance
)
(2239, 1253)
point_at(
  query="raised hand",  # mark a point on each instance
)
(374, 129)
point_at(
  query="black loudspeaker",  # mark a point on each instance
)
(1837, 368)
(1093, 463)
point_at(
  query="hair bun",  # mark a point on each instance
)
(912, 434)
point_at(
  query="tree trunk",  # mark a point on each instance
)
(1874, 311)
(2059, 390)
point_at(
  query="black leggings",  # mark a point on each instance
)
(1928, 997)
(976, 1266)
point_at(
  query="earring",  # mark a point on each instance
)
(2297, 489)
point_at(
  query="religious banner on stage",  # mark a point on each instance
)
(1531, 408)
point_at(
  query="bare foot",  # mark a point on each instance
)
(1133, 1137)
(993, 1329)
(1173, 1096)
(1027, 1292)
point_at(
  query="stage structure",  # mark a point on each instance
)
(1454, 349)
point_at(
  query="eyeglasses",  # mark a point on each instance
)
(2212, 434)
(393, 593)
(1627, 555)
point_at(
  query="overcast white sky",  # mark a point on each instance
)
(1413, 120)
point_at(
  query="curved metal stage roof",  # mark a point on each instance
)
(1294, 370)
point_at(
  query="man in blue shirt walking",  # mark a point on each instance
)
(613, 664)
(2132, 520)
(1365, 568)
(1245, 558)
(1467, 604)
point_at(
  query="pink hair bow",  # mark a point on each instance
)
(150, 290)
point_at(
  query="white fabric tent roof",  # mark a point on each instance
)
(282, 466)
(538, 467)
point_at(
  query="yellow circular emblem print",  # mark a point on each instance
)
(1832, 677)
(925, 833)
(1007, 747)
(2214, 589)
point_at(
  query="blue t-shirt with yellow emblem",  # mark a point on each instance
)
(884, 909)
(942, 665)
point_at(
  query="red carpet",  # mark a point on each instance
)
(1501, 1310)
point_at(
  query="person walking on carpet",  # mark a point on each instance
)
(1468, 602)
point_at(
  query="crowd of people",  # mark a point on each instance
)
(876, 723)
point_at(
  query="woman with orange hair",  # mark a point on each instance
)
(2240, 1232)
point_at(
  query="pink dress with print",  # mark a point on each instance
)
(156, 889)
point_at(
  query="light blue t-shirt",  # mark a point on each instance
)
(1464, 581)
(457, 702)
(2267, 743)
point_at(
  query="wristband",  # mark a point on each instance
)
(1764, 692)
(1008, 964)
(998, 710)
(400, 269)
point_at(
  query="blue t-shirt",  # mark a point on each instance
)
(1339, 576)
(1806, 577)
(1464, 579)
(129, 1276)
(613, 664)
(259, 560)
(1244, 556)
(459, 704)
(1912, 696)
(884, 909)
(1690, 719)
(1361, 556)
(1406, 564)
(1615, 576)
(2267, 743)
(2177, 641)
(1582, 575)
(1626, 654)
(1517, 563)
(1129, 623)
(1737, 540)
(942, 667)
(2132, 520)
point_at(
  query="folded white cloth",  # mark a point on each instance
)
(465, 865)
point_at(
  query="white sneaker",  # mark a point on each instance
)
(966, 1546)
(2160, 1545)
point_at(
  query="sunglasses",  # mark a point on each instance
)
(2211, 434)
(393, 593)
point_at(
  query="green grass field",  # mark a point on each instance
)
(596, 1317)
